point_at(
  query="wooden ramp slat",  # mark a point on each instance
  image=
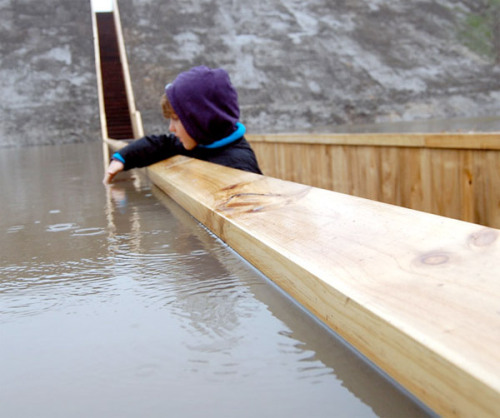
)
(415, 293)
(116, 106)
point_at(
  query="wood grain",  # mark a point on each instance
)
(415, 293)
(453, 175)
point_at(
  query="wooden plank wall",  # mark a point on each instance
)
(453, 175)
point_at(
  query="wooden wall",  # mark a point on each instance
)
(453, 175)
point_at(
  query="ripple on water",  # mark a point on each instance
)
(76, 231)
(15, 228)
(88, 232)
(33, 287)
(61, 227)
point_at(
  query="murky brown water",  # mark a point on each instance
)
(462, 125)
(122, 305)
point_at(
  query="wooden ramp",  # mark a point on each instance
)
(116, 108)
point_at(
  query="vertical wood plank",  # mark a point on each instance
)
(462, 183)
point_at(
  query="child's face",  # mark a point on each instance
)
(177, 128)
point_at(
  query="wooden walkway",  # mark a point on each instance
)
(417, 294)
(118, 122)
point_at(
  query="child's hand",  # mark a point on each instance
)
(114, 168)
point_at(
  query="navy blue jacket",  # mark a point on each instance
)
(153, 148)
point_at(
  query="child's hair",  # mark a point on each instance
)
(166, 107)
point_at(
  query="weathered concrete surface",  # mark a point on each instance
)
(298, 66)
(312, 65)
(47, 73)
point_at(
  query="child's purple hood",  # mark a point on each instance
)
(206, 103)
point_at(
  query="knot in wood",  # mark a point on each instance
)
(434, 259)
(483, 238)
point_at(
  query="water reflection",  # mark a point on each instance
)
(118, 302)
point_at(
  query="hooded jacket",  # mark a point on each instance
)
(207, 105)
(153, 148)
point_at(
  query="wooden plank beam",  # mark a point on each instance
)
(417, 294)
(420, 140)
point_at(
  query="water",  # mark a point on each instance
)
(119, 304)
(459, 125)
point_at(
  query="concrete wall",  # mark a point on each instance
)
(47, 73)
(317, 64)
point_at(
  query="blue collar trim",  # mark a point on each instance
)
(237, 134)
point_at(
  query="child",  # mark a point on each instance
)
(202, 106)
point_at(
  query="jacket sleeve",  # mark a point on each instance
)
(149, 150)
